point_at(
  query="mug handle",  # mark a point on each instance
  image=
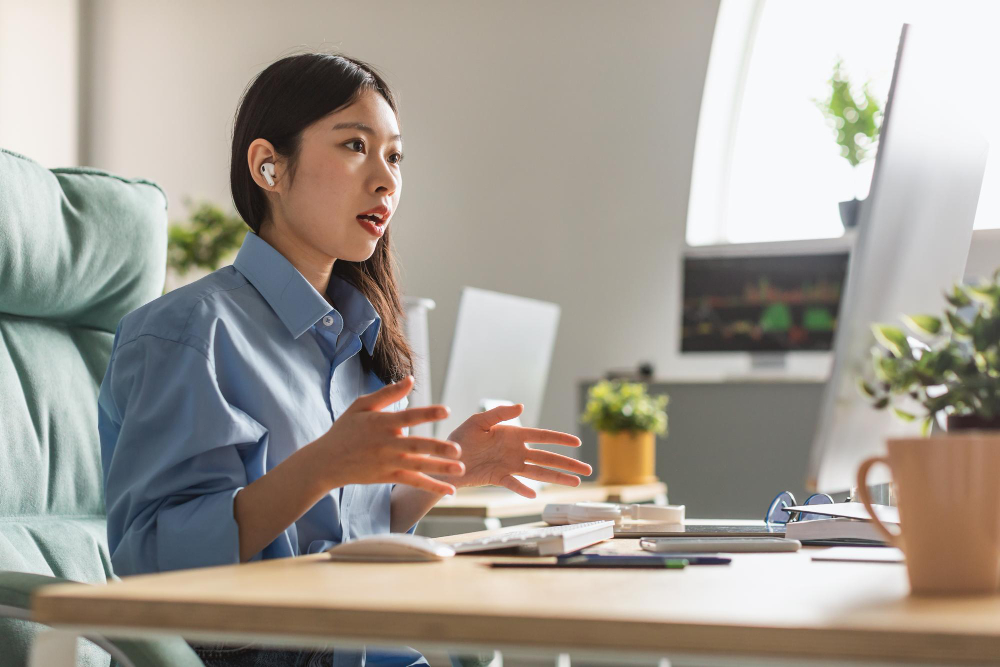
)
(892, 538)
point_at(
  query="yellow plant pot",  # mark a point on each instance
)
(627, 457)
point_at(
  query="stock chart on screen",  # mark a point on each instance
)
(779, 303)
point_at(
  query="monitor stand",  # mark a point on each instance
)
(881, 494)
(773, 363)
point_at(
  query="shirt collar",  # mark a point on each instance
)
(358, 312)
(296, 302)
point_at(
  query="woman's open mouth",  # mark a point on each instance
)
(375, 220)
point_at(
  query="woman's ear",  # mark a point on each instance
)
(265, 168)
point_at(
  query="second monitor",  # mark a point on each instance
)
(762, 302)
(500, 354)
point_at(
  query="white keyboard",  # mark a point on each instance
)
(548, 540)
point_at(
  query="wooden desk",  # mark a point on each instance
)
(492, 502)
(764, 609)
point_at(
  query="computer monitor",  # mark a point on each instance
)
(500, 354)
(766, 298)
(913, 239)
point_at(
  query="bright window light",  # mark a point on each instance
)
(767, 166)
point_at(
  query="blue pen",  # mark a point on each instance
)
(656, 562)
(612, 559)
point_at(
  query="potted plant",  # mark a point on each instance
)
(950, 367)
(199, 245)
(627, 420)
(945, 486)
(855, 117)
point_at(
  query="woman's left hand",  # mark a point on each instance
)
(493, 453)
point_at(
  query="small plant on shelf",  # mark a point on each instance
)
(856, 118)
(628, 420)
(614, 406)
(854, 114)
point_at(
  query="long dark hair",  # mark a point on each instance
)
(278, 105)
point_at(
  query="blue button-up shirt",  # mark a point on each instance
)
(212, 385)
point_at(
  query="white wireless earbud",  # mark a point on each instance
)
(267, 171)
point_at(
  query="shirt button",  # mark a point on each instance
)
(328, 321)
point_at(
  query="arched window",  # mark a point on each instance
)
(767, 166)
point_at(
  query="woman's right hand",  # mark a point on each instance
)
(367, 446)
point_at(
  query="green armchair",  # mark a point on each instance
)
(79, 248)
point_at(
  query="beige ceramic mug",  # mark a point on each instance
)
(949, 510)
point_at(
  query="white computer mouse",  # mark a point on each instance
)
(391, 548)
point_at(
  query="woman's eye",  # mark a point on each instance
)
(356, 142)
(396, 158)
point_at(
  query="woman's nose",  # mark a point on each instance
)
(386, 178)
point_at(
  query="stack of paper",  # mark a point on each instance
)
(849, 523)
(858, 555)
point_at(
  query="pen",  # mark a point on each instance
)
(581, 562)
(692, 559)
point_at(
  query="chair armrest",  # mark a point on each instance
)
(16, 589)
(160, 652)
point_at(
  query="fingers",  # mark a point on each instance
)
(443, 448)
(499, 414)
(385, 396)
(414, 416)
(551, 460)
(517, 486)
(431, 465)
(544, 436)
(422, 481)
(552, 476)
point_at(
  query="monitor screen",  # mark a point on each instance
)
(500, 353)
(777, 303)
(914, 233)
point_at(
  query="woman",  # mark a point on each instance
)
(261, 412)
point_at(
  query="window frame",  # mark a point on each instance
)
(722, 98)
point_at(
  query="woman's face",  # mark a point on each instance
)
(347, 177)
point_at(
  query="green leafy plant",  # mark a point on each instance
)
(614, 406)
(952, 365)
(854, 114)
(205, 240)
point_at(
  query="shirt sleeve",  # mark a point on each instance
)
(173, 449)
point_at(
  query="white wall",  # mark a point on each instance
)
(549, 144)
(38, 79)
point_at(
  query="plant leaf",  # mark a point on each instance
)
(985, 294)
(957, 298)
(904, 415)
(865, 388)
(925, 324)
(981, 335)
(886, 368)
(958, 326)
(893, 339)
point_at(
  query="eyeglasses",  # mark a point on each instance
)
(776, 512)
